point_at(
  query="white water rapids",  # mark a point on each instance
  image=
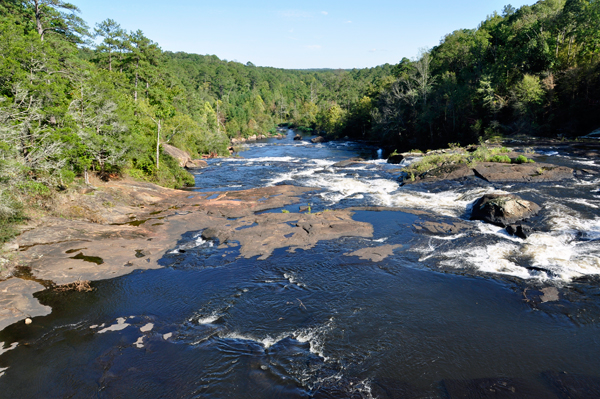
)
(567, 249)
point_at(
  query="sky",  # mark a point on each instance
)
(297, 34)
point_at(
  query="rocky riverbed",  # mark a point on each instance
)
(310, 269)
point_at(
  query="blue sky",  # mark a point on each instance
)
(297, 34)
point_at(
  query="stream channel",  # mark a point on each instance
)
(472, 313)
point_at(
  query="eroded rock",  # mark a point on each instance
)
(432, 227)
(375, 254)
(260, 235)
(527, 172)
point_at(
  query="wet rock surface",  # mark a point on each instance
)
(440, 227)
(503, 209)
(260, 235)
(375, 254)
(519, 230)
(17, 301)
(395, 159)
(348, 162)
(319, 139)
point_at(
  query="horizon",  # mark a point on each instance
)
(308, 35)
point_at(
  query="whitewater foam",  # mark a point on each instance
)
(315, 337)
(209, 319)
(569, 250)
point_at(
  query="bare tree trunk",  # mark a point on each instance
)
(157, 142)
(38, 19)
(82, 119)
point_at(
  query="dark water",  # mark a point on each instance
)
(446, 316)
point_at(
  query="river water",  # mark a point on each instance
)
(475, 313)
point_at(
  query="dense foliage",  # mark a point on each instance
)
(535, 71)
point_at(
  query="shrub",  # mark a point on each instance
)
(11, 213)
(522, 159)
(500, 158)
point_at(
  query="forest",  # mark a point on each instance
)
(78, 100)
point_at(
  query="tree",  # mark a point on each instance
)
(143, 55)
(48, 17)
(113, 39)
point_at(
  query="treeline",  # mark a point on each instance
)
(253, 100)
(533, 71)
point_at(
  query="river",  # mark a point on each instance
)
(474, 312)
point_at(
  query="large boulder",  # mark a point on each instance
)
(319, 139)
(297, 137)
(503, 209)
(196, 164)
(183, 157)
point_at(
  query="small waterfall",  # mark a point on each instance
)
(379, 153)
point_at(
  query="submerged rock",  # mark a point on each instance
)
(347, 162)
(503, 209)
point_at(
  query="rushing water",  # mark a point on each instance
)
(445, 316)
